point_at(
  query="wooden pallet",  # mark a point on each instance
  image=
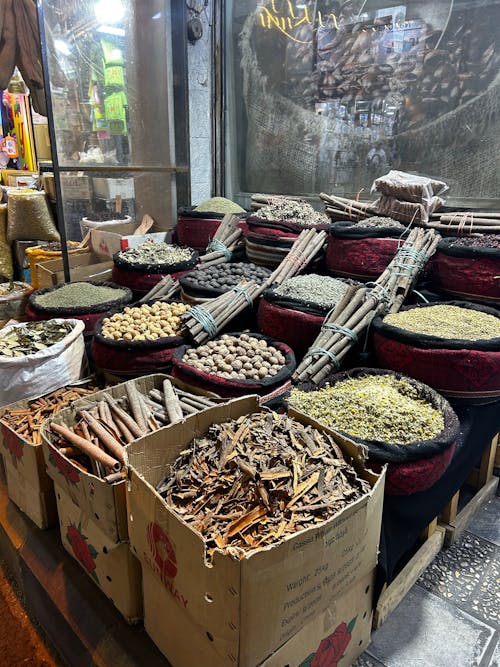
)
(453, 521)
(393, 593)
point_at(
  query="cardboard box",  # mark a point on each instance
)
(26, 457)
(39, 506)
(106, 503)
(111, 567)
(82, 267)
(111, 188)
(75, 186)
(19, 178)
(242, 610)
(106, 241)
(339, 634)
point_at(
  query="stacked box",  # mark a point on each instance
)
(29, 486)
(101, 507)
(249, 612)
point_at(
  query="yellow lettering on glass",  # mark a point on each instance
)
(271, 18)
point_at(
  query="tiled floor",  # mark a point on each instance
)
(451, 617)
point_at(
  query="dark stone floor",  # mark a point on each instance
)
(451, 617)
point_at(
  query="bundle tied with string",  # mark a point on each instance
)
(215, 314)
(225, 242)
(350, 319)
(29, 217)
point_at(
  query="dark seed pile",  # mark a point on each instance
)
(483, 241)
(225, 276)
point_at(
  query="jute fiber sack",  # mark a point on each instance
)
(30, 217)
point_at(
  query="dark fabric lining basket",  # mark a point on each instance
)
(284, 225)
(383, 452)
(448, 247)
(345, 229)
(248, 386)
(435, 342)
(191, 213)
(56, 311)
(155, 268)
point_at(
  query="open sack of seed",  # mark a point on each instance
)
(236, 364)
(469, 267)
(141, 267)
(136, 339)
(453, 347)
(400, 421)
(294, 311)
(85, 301)
(363, 250)
(13, 299)
(29, 217)
(39, 357)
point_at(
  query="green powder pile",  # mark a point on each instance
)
(375, 407)
(320, 290)
(79, 294)
(447, 322)
(219, 205)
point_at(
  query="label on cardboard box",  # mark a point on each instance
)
(252, 606)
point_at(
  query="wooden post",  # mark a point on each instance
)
(449, 513)
(487, 463)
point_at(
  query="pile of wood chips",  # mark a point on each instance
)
(250, 482)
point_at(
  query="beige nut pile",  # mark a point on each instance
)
(146, 322)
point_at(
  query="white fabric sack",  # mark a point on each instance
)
(60, 364)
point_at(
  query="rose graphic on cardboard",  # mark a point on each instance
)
(14, 444)
(64, 466)
(84, 552)
(163, 551)
(332, 648)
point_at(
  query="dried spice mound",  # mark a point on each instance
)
(12, 287)
(79, 294)
(483, 241)
(219, 205)
(250, 482)
(292, 211)
(321, 290)
(32, 337)
(447, 322)
(375, 407)
(155, 253)
(381, 221)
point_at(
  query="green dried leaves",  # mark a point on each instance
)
(33, 337)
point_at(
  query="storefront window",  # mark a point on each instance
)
(325, 95)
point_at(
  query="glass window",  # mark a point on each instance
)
(325, 95)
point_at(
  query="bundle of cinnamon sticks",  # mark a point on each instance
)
(205, 322)
(345, 325)
(225, 241)
(166, 289)
(95, 443)
(340, 208)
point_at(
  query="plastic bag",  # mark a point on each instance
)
(36, 374)
(6, 267)
(30, 217)
(406, 211)
(409, 187)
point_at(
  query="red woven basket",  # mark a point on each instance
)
(89, 319)
(471, 278)
(361, 259)
(196, 232)
(297, 329)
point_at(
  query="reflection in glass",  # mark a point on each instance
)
(330, 94)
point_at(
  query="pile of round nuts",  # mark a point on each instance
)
(146, 322)
(242, 357)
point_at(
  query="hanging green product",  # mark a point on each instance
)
(6, 268)
(114, 106)
(29, 217)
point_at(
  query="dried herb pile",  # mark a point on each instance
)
(250, 482)
(155, 253)
(380, 221)
(28, 421)
(78, 295)
(219, 205)
(375, 407)
(32, 337)
(12, 287)
(95, 443)
(483, 241)
(447, 321)
(299, 212)
(320, 290)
